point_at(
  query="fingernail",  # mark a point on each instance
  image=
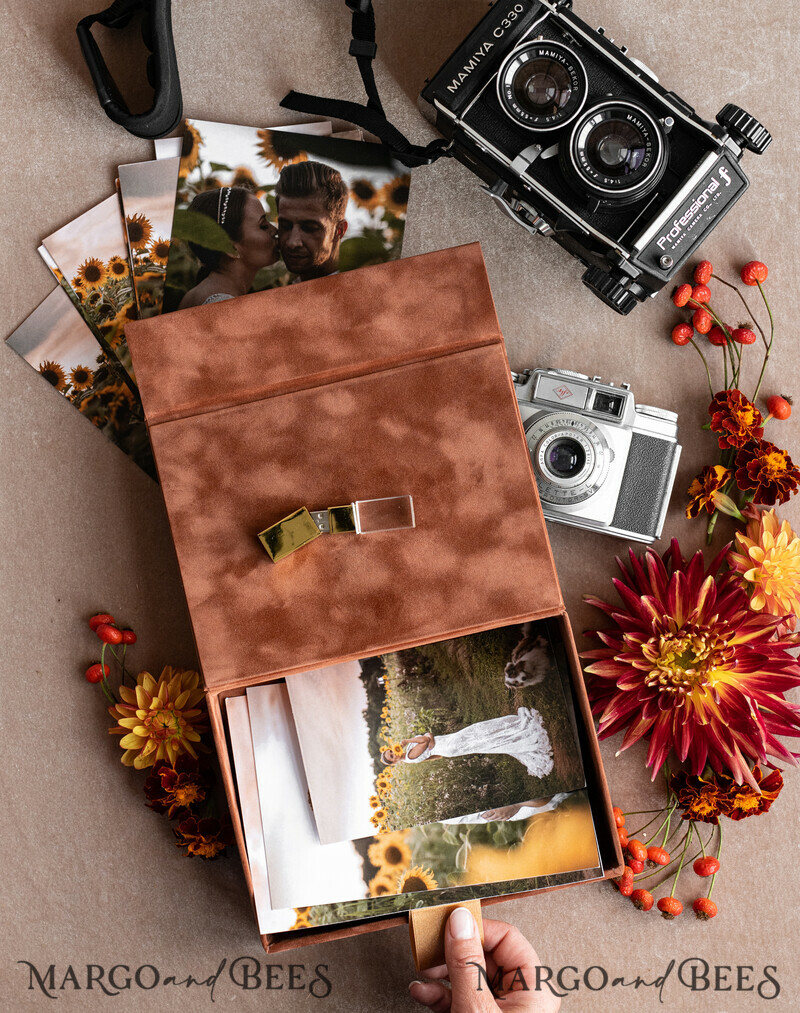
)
(462, 924)
(425, 991)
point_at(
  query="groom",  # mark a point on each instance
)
(312, 200)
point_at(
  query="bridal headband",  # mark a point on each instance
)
(222, 205)
(363, 517)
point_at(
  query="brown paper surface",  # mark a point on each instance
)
(426, 928)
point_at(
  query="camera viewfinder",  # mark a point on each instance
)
(608, 404)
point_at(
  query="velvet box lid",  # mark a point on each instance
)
(383, 381)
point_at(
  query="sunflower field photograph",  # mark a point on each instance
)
(91, 252)
(261, 208)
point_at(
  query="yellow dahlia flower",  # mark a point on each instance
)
(769, 564)
(160, 720)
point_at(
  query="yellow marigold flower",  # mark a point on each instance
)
(365, 194)
(139, 231)
(383, 885)
(769, 563)
(118, 267)
(394, 195)
(390, 852)
(92, 273)
(701, 492)
(190, 150)
(160, 720)
(159, 251)
(279, 149)
(415, 880)
(81, 377)
(53, 373)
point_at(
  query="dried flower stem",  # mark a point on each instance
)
(768, 344)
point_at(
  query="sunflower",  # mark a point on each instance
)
(394, 195)
(689, 665)
(79, 291)
(416, 880)
(95, 298)
(160, 720)
(768, 563)
(302, 919)
(139, 231)
(81, 377)
(390, 851)
(279, 148)
(53, 373)
(383, 885)
(711, 480)
(92, 273)
(118, 267)
(159, 251)
(190, 150)
(398, 749)
(365, 194)
(734, 419)
(768, 470)
(375, 802)
(383, 781)
(379, 814)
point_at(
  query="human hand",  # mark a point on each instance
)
(470, 971)
(502, 814)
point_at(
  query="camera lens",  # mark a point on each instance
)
(566, 458)
(615, 151)
(542, 85)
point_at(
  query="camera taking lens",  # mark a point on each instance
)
(565, 458)
(542, 85)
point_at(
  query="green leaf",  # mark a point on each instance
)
(201, 230)
(219, 167)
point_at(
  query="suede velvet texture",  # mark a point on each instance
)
(384, 381)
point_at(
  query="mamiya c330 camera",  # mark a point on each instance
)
(576, 140)
(601, 462)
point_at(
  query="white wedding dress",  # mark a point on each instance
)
(521, 735)
(524, 812)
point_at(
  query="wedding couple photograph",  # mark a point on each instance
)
(258, 209)
(476, 729)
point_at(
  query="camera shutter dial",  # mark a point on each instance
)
(542, 85)
(745, 129)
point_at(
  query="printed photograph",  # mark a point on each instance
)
(542, 837)
(261, 208)
(57, 342)
(91, 253)
(469, 725)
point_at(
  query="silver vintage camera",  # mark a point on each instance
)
(601, 461)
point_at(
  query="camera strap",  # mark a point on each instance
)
(371, 116)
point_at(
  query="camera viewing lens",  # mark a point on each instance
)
(542, 85)
(566, 458)
(617, 151)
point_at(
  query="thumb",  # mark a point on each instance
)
(466, 965)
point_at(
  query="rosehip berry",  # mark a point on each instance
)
(619, 816)
(636, 866)
(704, 908)
(682, 334)
(754, 272)
(703, 272)
(109, 634)
(101, 617)
(717, 336)
(682, 295)
(702, 320)
(743, 335)
(706, 866)
(658, 856)
(701, 293)
(128, 637)
(670, 907)
(637, 850)
(622, 833)
(94, 673)
(779, 406)
(642, 899)
(625, 882)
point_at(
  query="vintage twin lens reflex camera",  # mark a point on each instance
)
(601, 461)
(576, 140)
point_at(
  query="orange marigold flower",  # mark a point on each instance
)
(738, 801)
(736, 420)
(698, 797)
(711, 480)
(769, 565)
(768, 470)
(206, 838)
(174, 789)
(691, 667)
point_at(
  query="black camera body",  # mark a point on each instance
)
(576, 140)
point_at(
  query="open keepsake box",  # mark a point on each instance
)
(385, 381)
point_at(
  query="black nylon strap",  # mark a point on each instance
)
(371, 116)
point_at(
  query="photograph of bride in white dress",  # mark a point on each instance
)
(473, 725)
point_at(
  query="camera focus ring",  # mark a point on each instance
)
(542, 85)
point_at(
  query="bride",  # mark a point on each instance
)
(521, 735)
(222, 275)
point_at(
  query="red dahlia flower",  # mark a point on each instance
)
(690, 666)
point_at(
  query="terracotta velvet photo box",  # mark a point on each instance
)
(387, 381)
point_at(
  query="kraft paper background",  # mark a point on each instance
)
(89, 875)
